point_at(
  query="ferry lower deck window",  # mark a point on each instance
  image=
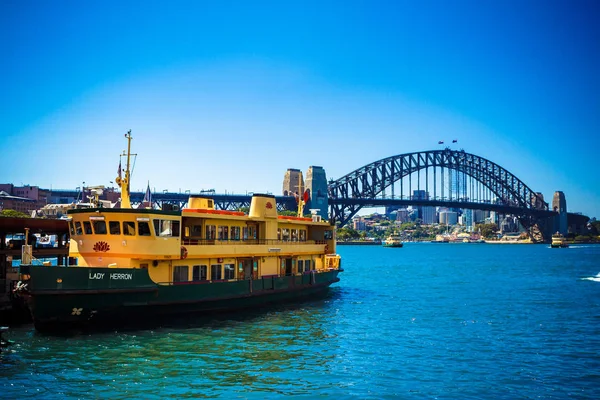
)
(180, 273)
(223, 232)
(78, 229)
(235, 233)
(215, 272)
(300, 266)
(285, 234)
(114, 227)
(295, 235)
(211, 232)
(196, 230)
(229, 271)
(99, 227)
(302, 235)
(71, 228)
(144, 228)
(199, 272)
(129, 228)
(87, 227)
(307, 265)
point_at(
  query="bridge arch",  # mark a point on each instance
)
(450, 177)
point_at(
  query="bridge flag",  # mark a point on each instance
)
(119, 170)
(306, 196)
(454, 141)
(441, 142)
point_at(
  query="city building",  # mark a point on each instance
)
(358, 223)
(402, 215)
(448, 218)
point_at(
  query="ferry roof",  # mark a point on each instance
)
(123, 211)
(18, 225)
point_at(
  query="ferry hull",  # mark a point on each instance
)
(63, 298)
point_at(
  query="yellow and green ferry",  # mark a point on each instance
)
(140, 263)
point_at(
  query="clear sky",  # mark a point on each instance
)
(228, 95)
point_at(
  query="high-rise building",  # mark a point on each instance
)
(425, 213)
(316, 183)
(402, 215)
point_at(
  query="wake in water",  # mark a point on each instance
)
(592, 278)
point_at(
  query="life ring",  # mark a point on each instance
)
(184, 253)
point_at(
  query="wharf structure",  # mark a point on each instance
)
(13, 234)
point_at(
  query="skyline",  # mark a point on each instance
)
(229, 96)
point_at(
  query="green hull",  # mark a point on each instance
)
(62, 298)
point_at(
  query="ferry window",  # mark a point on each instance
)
(302, 235)
(328, 235)
(294, 235)
(78, 228)
(300, 266)
(229, 271)
(71, 228)
(143, 228)
(114, 227)
(223, 233)
(99, 227)
(285, 234)
(252, 232)
(278, 233)
(166, 227)
(235, 233)
(307, 265)
(199, 272)
(87, 227)
(215, 272)
(197, 230)
(129, 228)
(211, 232)
(245, 233)
(180, 273)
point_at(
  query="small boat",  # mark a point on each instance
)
(393, 240)
(558, 241)
(129, 264)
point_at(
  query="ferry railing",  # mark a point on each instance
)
(270, 242)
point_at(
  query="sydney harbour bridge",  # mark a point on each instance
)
(442, 178)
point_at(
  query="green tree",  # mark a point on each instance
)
(487, 230)
(13, 214)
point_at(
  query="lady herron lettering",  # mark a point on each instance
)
(113, 276)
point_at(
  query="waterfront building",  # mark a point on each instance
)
(358, 223)
(21, 204)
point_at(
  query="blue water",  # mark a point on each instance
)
(447, 321)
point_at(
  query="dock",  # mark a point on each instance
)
(12, 234)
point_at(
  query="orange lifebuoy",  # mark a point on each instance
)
(184, 253)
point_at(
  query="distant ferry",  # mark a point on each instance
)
(141, 263)
(393, 240)
(558, 241)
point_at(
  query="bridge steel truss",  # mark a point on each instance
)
(456, 179)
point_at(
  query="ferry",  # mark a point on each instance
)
(136, 264)
(393, 240)
(558, 241)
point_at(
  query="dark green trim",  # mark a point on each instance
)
(124, 211)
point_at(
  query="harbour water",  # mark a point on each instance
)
(446, 321)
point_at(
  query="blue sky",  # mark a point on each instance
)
(228, 95)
